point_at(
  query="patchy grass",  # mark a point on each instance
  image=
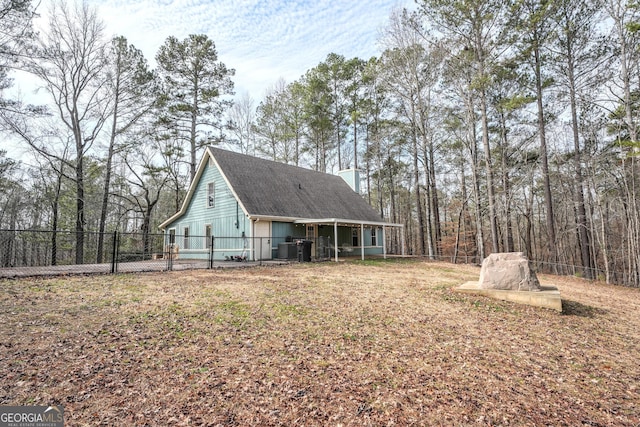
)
(355, 343)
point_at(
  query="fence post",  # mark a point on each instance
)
(170, 256)
(211, 245)
(54, 247)
(114, 253)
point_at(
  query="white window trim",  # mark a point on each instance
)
(186, 237)
(211, 195)
(314, 232)
(208, 238)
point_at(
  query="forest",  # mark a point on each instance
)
(482, 126)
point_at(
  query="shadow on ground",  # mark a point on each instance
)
(574, 308)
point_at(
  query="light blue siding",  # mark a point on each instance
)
(231, 228)
(351, 177)
(282, 230)
(226, 219)
(370, 249)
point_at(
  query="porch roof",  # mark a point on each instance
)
(342, 221)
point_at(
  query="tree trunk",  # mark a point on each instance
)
(529, 228)
(80, 219)
(581, 216)
(107, 176)
(461, 218)
(431, 202)
(337, 123)
(105, 204)
(550, 218)
(355, 140)
(55, 208)
(193, 133)
(146, 228)
(435, 205)
(297, 159)
(392, 199)
(506, 185)
(604, 241)
(427, 210)
(416, 183)
(633, 233)
(489, 172)
(473, 151)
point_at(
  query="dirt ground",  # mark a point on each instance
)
(371, 343)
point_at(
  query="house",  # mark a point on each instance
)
(243, 206)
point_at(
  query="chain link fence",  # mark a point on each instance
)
(35, 253)
(26, 253)
(559, 269)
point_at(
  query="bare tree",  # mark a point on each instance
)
(625, 17)
(478, 26)
(294, 119)
(146, 179)
(269, 126)
(404, 61)
(133, 91)
(15, 31)
(69, 59)
(241, 124)
(579, 65)
(534, 32)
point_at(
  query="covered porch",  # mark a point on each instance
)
(349, 246)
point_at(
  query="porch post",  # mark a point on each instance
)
(251, 238)
(384, 242)
(402, 238)
(335, 238)
(362, 240)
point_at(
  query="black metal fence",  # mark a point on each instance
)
(38, 252)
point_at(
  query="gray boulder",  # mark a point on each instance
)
(508, 271)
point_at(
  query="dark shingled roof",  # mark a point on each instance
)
(268, 188)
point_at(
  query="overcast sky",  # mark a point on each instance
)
(262, 40)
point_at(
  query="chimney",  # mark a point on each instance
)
(351, 177)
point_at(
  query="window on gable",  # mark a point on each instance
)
(211, 195)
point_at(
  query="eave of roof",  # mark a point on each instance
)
(345, 221)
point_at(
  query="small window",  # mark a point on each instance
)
(354, 237)
(311, 232)
(172, 236)
(207, 236)
(185, 235)
(374, 237)
(211, 195)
